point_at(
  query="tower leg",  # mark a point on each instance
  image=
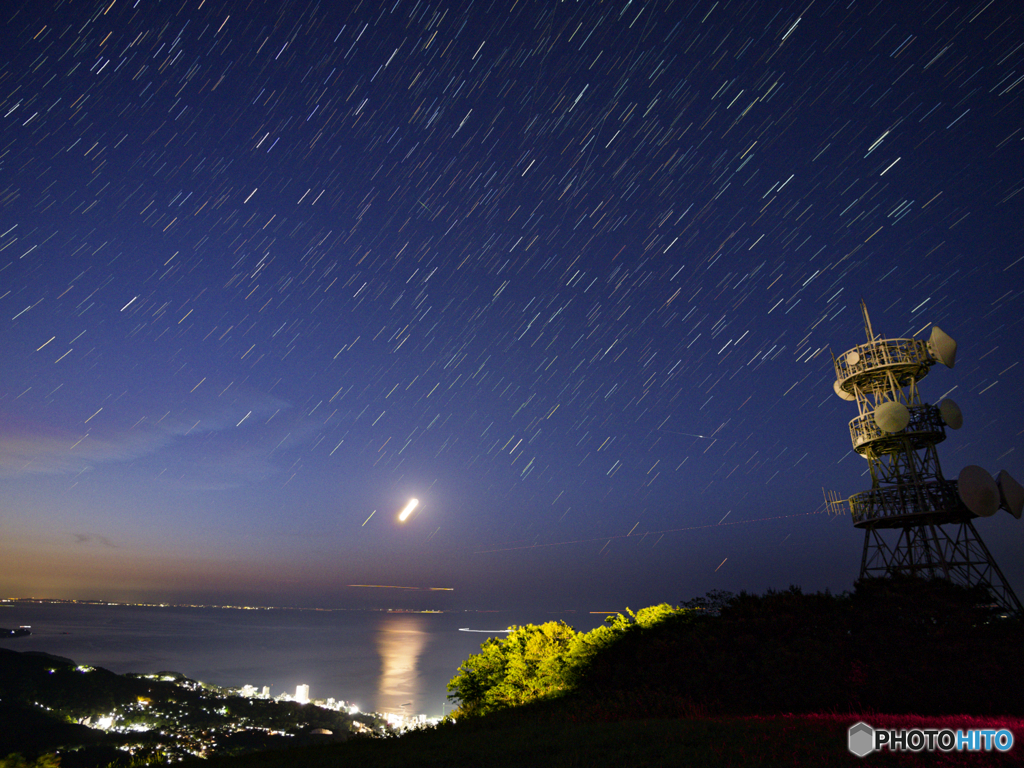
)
(936, 544)
(973, 564)
(864, 555)
(930, 550)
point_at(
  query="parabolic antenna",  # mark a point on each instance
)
(891, 416)
(943, 347)
(978, 490)
(951, 414)
(852, 357)
(842, 392)
(1011, 493)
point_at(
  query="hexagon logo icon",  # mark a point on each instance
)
(861, 739)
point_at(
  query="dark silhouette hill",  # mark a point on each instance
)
(892, 645)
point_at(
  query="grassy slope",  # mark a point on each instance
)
(712, 692)
(542, 739)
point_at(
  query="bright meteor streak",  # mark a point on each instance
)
(413, 503)
(393, 586)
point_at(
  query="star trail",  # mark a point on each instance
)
(570, 274)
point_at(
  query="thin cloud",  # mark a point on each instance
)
(35, 449)
(69, 453)
(89, 538)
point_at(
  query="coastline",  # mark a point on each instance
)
(379, 660)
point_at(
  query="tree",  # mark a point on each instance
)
(477, 677)
(534, 662)
(529, 663)
(712, 603)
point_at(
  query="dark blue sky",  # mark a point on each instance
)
(568, 273)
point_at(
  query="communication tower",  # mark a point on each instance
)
(915, 521)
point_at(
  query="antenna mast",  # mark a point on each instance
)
(867, 320)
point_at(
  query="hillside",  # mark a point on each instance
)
(892, 645)
(742, 681)
(775, 679)
(93, 716)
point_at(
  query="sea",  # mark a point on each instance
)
(379, 661)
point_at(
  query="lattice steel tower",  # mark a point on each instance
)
(915, 521)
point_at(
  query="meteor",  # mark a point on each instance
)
(413, 503)
(393, 586)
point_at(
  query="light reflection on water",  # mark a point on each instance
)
(401, 640)
(372, 659)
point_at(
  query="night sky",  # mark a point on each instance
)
(571, 274)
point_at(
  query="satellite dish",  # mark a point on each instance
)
(842, 392)
(943, 347)
(891, 416)
(951, 415)
(852, 357)
(1011, 493)
(978, 490)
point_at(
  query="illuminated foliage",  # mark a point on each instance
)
(534, 662)
(17, 761)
